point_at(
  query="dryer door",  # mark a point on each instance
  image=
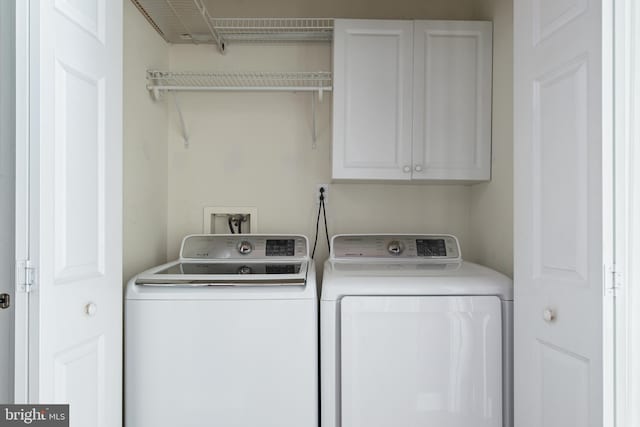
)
(421, 361)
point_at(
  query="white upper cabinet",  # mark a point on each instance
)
(372, 99)
(412, 100)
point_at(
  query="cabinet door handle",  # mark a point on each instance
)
(418, 168)
(406, 169)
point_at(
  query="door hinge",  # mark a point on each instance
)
(25, 273)
(615, 282)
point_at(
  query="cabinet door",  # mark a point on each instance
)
(372, 99)
(452, 100)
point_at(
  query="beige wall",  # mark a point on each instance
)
(145, 148)
(491, 204)
(254, 149)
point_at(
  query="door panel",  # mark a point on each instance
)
(560, 174)
(565, 386)
(76, 179)
(79, 183)
(7, 200)
(561, 210)
(417, 361)
(372, 99)
(452, 100)
(79, 377)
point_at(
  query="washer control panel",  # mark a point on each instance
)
(243, 246)
(423, 246)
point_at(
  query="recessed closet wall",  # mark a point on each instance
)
(255, 149)
(145, 148)
(491, 205)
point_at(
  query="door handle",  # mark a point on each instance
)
(549, 315)
(90, 309)
(5, 301)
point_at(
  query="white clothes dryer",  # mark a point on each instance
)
(413, 336)
(227, 335)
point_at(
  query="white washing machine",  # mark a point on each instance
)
(413, 336)
(225, 336)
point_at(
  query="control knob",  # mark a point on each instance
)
(395, 247)
(245, 247)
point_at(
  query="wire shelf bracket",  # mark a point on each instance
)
(217, 38)
(183, 125)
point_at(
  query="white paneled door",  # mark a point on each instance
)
(75, 112)
(562, 211)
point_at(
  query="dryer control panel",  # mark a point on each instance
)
(417, 247)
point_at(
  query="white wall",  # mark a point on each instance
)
(145, 148)
(491, 204)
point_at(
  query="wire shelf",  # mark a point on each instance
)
(189, 21)
(180, 21)
(274, 29)
(248, 81)
(316, 82)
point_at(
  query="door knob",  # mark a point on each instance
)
(549, 315)
(406, 169)
(418, 168)
(90, 309)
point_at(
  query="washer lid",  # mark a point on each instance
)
(153, 284)
(238, 266)
(225, 273)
